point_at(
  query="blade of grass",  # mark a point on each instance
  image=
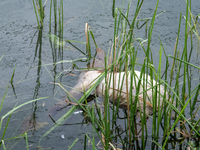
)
(66, 116)
(91, 142)
(176, 121)
(15, 108)
(184, 62)
(36, 15)
(26, 138)
(73, 144)
(3, 98)
(1, 57)
(4, 147)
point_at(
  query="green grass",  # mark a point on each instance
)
(124, 55)
(8, 115)
(39, 11)
(184, 128)
(123, 47)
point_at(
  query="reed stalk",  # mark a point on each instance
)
(39, 12)
(124, 59)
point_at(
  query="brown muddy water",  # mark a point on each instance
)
(35, 70)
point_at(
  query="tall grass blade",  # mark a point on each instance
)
(66, 116)
(73, 144)
(184, 62)
(91, 141)
(4, 147)
(15, 108)
(3, 98)
(26, 138)
(36, 14)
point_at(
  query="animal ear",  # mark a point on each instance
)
(99, 60)
(100, 54)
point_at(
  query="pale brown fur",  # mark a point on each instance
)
(120, 91)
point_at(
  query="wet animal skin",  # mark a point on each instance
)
(120, 93)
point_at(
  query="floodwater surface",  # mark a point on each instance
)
(33, 54)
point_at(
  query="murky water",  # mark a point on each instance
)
(19, 47)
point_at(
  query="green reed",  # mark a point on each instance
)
(148, 63)
(39, 11)
(61, 19)
(58, 16)
(124, 59)
(8, 116)
(2, 101)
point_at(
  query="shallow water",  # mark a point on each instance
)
(18, 40)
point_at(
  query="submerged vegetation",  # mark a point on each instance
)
(174, 120)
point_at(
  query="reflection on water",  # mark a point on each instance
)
(30, 124)
(35, 55)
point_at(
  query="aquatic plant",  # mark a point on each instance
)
(168, 120)
(39, 11)
(9, 114)
(124, 56)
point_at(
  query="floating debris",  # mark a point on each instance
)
(62, 136)
(77, 112)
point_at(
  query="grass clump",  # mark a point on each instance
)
(169, 115)
(169, 120)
